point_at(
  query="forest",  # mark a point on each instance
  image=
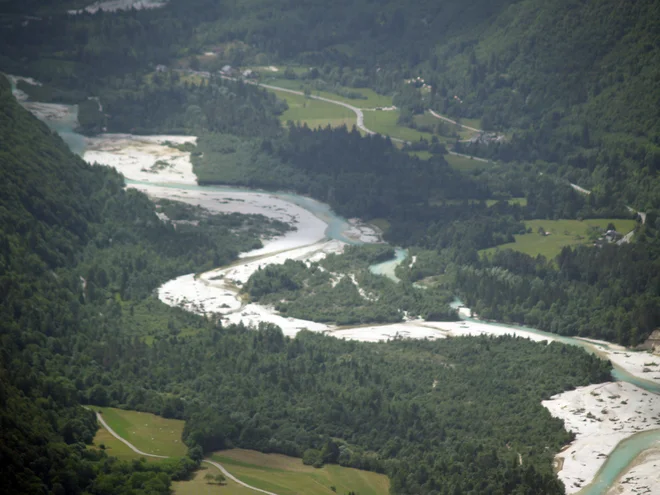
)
(341, 290)
(79, 324)
(572, 85)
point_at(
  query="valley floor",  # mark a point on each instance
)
(600, 415)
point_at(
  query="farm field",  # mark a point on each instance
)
(561, 233)
(289, 476)
(148, 432)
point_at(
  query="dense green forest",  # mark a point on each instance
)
(74, 246)
(571, 85)
(80, 256)
(577, 101)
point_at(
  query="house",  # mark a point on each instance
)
(250, 74)
(161, 68)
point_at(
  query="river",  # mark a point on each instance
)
(338, 228)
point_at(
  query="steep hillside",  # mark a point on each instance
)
(73, 244)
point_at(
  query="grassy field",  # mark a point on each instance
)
(148, 432)
(199, 486)
(511, 201)
(289, 476)
(371, 100)
(320, 114)
(562, 233)
(315, 113)
(422, 155)
(476, 123)
(384, 122)
(465, 164)
(426, 119)
(116, 448)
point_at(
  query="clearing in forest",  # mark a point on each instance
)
(465, 164)
(548, 237)
(148, 432)
(289, 476)
(315, 113)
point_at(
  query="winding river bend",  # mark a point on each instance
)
(337, 228)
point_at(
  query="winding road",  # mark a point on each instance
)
(359, 114)
(207, 461)
(357, 111)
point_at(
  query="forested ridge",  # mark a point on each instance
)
(574, 82)
(73, 243)
(78, 328)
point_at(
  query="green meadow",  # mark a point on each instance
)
(465, 164)
(200, 486)
(371, 98)
(384, 122)
(148, 432)
(561, 233)
(289, 476)
(315, 113)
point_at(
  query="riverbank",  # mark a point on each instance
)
(642, 477)
(642, 364)
(144, 158)
(601, 416)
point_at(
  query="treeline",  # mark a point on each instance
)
(356, 175)
(168, 105)
(608, 293)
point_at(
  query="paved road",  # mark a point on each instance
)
(212, 463)
(358, 112)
